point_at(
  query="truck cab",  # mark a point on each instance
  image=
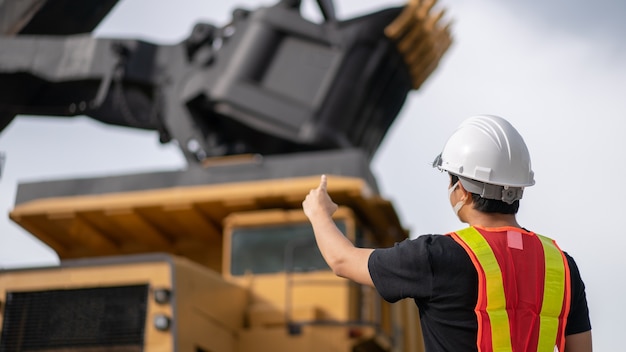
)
(273, 255)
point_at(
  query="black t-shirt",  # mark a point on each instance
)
(438, 274)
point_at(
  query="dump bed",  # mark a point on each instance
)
(186, 220)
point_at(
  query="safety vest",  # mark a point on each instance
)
(523, 289)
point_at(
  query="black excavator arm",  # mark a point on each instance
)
(268, 82)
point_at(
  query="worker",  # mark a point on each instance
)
(493, 286)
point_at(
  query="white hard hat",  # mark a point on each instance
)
(490, 158)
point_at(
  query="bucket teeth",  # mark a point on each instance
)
(420, 37)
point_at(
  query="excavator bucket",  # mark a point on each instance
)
(421, 38)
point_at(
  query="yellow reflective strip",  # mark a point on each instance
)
(553, 293)
(496, 300)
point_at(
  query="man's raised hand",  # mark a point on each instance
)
(318, 202)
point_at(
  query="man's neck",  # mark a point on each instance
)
(477, 218)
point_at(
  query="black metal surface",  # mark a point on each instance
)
(269, 82)
(350, 162)
(75, 318)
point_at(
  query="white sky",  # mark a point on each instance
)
(558, 73)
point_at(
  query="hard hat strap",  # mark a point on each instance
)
(504, 193)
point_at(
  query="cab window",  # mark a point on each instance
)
(273, 249)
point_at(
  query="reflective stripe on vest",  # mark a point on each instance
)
(497, 330)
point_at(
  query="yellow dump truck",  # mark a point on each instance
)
(218, 257)
(224, 267)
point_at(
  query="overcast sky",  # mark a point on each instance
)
(556, 70)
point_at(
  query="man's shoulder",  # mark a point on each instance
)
(442, 247)
(436, 240)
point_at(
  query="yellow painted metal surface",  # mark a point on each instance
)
(185, 221)
(206, 311)
(154, 274)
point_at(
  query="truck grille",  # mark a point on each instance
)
(90, 319)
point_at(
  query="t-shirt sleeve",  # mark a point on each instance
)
(578, 318)
(403, 270)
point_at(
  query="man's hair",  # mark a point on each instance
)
(489, 205)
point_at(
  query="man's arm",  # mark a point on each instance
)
(340, 254)
(578, 342)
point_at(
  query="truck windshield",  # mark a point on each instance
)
(273, 249)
